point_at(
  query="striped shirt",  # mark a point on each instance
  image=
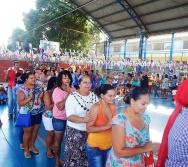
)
(178, 141)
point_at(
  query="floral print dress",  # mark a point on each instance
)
(134, 138)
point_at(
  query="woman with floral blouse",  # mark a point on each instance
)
(130, 132)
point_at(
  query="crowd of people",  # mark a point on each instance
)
(80, 105)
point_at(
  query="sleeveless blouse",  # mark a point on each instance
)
(103, 139)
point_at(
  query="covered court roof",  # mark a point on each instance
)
(125, 19)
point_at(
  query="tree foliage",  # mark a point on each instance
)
(54, 21)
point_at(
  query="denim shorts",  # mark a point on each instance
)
(96, 156)
(36, 119)
(59, 124)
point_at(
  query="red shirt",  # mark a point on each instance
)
(12, 76)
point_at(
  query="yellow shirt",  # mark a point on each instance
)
(150, 80)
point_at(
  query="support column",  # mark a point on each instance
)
(105, 48)
(145, 48)
(141, 45)
(171, 47)
(125, 47)
(109, 48)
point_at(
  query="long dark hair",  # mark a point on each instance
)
(60, 76)
(22, 78)
(51, 83)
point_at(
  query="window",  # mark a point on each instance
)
(149, 46)
(167, 45)
(117, 48)
(185, 44)
(136, 47)
(158, 46)
(129, 48)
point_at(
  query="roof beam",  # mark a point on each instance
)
(170, 30)
(111, 14)
(134, 13)
(126, 37)
(156, 22)
(158, 32)
(131, 12)
(102, 7)
(146, 14)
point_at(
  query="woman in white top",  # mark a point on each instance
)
(164, 86)
(77, 106)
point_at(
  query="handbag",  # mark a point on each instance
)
(24, 120)
(149, 160)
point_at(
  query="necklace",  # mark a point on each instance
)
(83, 105)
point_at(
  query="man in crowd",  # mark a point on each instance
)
(10, 76)
(144, 80)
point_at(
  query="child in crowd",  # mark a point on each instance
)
(3, 94)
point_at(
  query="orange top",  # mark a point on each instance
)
(102, 140)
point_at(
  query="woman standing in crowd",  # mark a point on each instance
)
(29, 100)
(115, 79)
(46, 75)
(77, 75)
(99, 140)
(97, 79)
(136, 80)
(150, 82)
(173, 150)
(174, 82)
(164, 86)
(20, 82)
(92, 76)
(129, 79)
(72, 74)
(77, 107)
(15, 88)
(59, 120)
(38, 75)
(47, 116)
(157, 83)
(103, 78)
(121, 83)
(53, 73)
(130, 132)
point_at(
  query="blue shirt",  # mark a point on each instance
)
(103, 79)
(178, 141)
(75, 79)
(15, 91)
(174, 83)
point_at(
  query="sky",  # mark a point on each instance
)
(11, 16)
